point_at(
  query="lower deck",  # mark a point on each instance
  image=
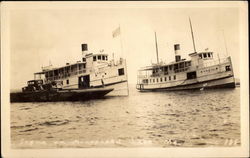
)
(226, 82)
(211, 76)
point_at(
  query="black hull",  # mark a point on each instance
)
(61, 95)
(228, 85)
(227, 82)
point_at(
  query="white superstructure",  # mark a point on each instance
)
(202, 71)
(94, 70)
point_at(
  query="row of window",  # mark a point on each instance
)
(208, 70)
(162, 79)
(120, 72)
(227, 68)
(178, 67)
(205, 55)
(100, 57)
(65, 70)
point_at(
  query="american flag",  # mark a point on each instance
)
(116, 32)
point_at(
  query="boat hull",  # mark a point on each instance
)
(227, 82)
(61, 95)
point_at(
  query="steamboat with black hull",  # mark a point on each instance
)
(202, 71)
(91, 78)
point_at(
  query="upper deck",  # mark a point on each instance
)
(64, 71)
(89, 63)
(198, 60)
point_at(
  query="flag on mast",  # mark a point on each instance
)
(116, 32)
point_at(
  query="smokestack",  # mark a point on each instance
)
(177, 52)
(84, 51)
(84, 47)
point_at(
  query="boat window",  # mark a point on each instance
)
(99, 57)
(174, 77)
(208, 54)
(169, 78)
(94, 58)
(228, 68)
(188, 63)
(205, 55)
(50, 74)
(83, 59)
(170, 67)
(200, 56)
(181, 65)
(176, 66)
(191, 75)
(166, 68)
(80, 67)
(121, 71)
(145, 81)
(67, 81)
(103, 57)
(56, 72)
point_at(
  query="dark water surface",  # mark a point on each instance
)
(150, 119)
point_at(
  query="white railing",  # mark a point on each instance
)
(214, 62)
(192, 67)
(67, 75)
(99, 68)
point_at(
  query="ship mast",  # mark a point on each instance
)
(225, 41)
(192, 35)
(156, 49)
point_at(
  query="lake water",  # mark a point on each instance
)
(143, 119)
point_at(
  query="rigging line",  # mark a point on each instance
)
(121, 41)
(124, 57)
(156, 47)
(192, 34)
(225, 41)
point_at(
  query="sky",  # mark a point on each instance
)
(40, 35)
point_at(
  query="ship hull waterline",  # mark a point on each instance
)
(227, 82)
(61, 95)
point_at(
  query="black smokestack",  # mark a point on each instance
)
(177, 52)
(84, 47)
(177, 47)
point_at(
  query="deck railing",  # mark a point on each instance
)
(99, 67)
(66, 75)
(214, 62)
(189, 68)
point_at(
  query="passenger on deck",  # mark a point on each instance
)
(102, 83)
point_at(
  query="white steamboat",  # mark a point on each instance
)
(201, 71)
(93, 71)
